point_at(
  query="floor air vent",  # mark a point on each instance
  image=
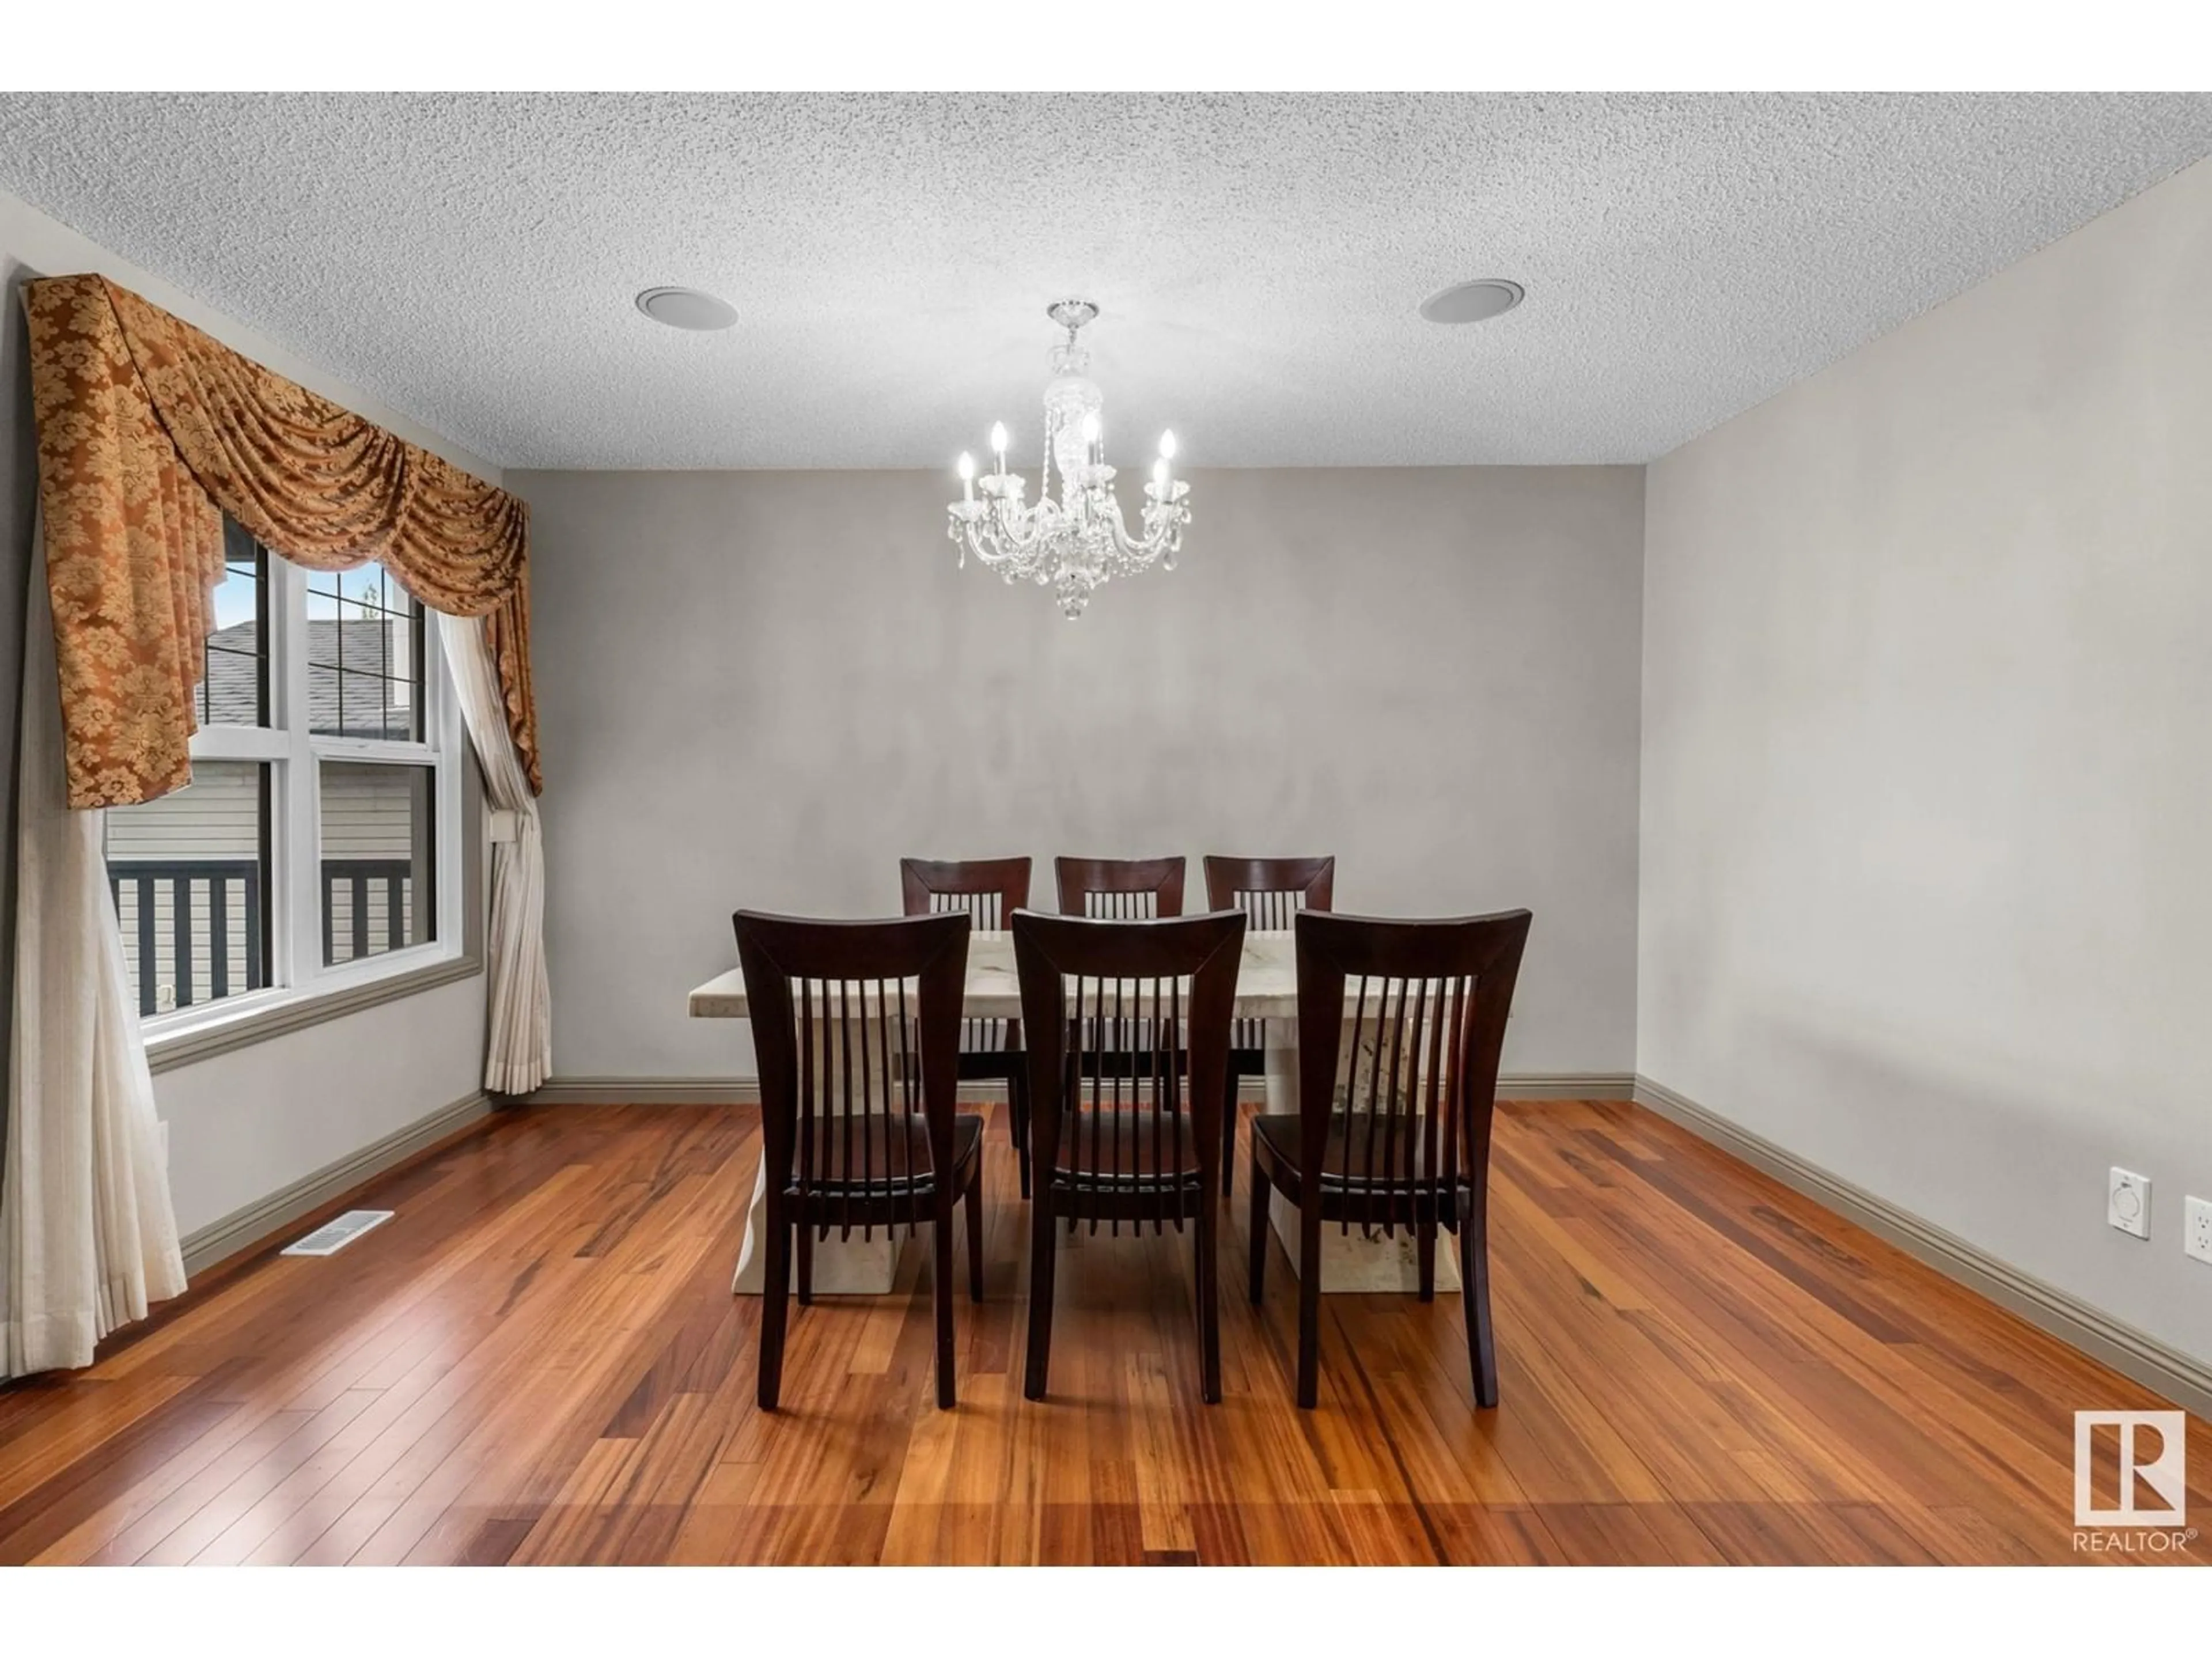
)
(335, 1235)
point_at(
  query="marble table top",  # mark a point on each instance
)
(1267, 982)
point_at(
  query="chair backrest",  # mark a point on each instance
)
(1119, 890)
(857, 1028)
(989, 889)
(1272, 891)
(1128, 1028)
(1400, 1026)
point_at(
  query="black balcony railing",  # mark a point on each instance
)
(194, 889)
(196, 923)
(356, 879)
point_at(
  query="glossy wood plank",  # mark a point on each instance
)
(539, 1361)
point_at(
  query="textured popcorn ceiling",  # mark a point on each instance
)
(471, 260)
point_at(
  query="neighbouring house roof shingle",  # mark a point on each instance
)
(369, 709)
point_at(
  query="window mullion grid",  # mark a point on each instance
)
(433, 751)
(240, 743)
(440, 716)
(298, 938)
(290, 753)
(372, 748)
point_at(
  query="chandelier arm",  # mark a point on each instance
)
(1140, 550)
(987, 548)
(1017, 543)
(1024, 530)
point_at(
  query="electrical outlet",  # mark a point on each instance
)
(2196, 1230)
(2127, 1202)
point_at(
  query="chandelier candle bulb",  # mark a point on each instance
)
(1076, 541)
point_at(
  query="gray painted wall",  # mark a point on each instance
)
(762, 689)
(1927, 893)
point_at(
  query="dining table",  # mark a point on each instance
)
(1267, 992)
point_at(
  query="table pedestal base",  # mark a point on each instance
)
(1351, 1262)
(1354, 1262)
(851, 1266)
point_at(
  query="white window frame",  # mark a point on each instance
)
(297, 976)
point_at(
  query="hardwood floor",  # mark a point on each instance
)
(539, 1360)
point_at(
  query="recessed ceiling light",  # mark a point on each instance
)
(1477, 301)
(686, 308)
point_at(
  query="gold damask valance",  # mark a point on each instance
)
(148, 432)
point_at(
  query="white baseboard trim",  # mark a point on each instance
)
(745, 1091)
(1567, 1085)
(2133, 1354)
(666, 1091)
(242, 1228)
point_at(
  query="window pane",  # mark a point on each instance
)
(378, 859)
(189, 876)
(234, 684)
(364, 655)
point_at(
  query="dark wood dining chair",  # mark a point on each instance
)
(1395, 1098)
(1271, 892)
(1119, 890)
(1135, 1142)
(989, 891)
(857, 1028)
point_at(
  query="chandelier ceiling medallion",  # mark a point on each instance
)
(1079, 543)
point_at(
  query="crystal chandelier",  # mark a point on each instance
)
(1077, 544)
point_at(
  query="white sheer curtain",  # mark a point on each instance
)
(87, 1236)
(518, 1047)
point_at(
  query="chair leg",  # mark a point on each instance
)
(941, 1295)
(805, 1267)
(1229, 1137)
(1474, 1294)
(1018, 1113)
(1209, 1305)
(1310, 1301)
(1262, 1189)
(1424, 1252)
(776, 1295)
(1041, 1255)
(972, 1201)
